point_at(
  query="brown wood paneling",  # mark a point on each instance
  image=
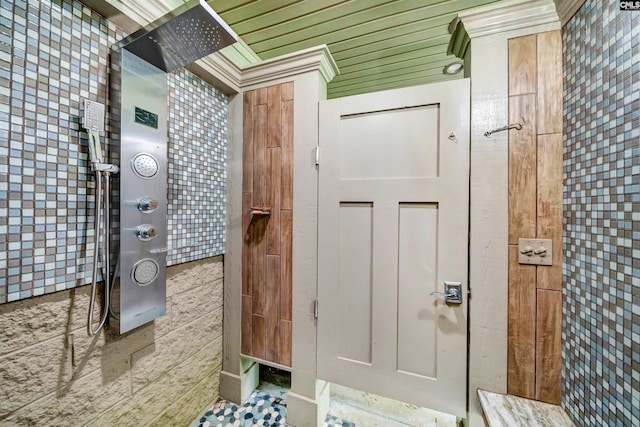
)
(285, 342)
(274, 186)
(521, 349)
(286, 230)
(549, 346)
(287, 155)
(267, 240)
(272, 309)
(262, 96)
(522, 65)
(260, 156)
(258, 336)
(549, 224)
(274, 110)
(258, 247)
(246, 336)
(247, 148)
(549, 82)
(287, 91)
(247, 264)
(522, 169)
(535, 210)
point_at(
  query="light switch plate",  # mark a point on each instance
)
(535, 251)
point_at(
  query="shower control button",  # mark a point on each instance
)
(146, 232)
(147, 205)
(144, 272)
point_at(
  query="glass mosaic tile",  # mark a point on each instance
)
(601, 241)
(197, 169)
(54, 54)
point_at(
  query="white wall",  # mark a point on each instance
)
(488, 268)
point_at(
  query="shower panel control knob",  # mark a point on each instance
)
(147, 205)
(146, 232)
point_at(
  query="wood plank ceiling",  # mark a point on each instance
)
(377, 44)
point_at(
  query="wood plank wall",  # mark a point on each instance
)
(266, 253)
(535, 210)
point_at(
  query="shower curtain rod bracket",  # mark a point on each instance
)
(516, 126)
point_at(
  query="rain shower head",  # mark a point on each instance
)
(183, 36)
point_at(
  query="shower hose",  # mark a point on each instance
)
(101, 204)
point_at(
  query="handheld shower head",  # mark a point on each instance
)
(93, 122)
(183, 36)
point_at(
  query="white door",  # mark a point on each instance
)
(393, 226)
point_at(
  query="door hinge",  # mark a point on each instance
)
(317, 155)
(315, 309)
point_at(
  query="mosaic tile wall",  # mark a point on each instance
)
(53, 54)
(197, 169)
(601, 308)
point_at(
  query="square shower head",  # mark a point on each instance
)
(190, 32)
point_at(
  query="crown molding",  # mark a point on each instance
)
(240, 53)
(219, 71)
(460, 40)
(316, 58)
(567, 8)
(506, 16)
(223, 69)
(235, 78)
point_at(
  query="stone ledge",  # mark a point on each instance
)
(502, 410)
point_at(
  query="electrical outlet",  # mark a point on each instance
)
(535, 251)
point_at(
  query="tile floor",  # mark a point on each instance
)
(267, 406)
(263, 408)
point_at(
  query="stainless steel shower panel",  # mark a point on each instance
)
(143, 189)
(138, 110)
(183, 36)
